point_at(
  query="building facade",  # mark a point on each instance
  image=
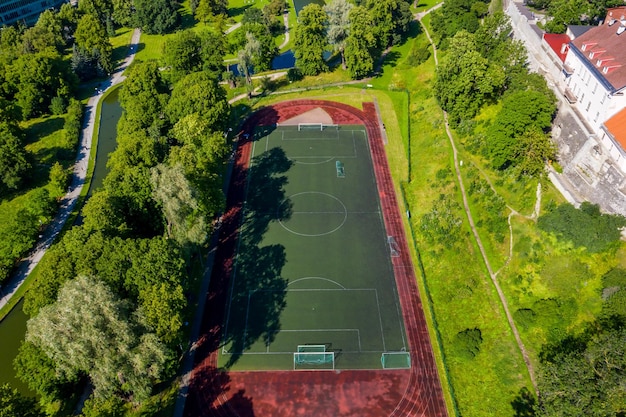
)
(25, 11)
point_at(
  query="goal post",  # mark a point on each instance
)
(317, 126)
(396, 360)
(313, 357)
(310, 126)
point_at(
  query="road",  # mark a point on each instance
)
(78, 180)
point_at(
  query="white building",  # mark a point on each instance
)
(595, 70)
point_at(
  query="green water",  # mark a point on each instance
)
(299, 4)
(12, 331)
(110, 114)
(13, 326)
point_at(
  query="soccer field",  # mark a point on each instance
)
(313, 271)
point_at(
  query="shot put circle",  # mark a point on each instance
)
(329, 214)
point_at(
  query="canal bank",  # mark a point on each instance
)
(13, 325)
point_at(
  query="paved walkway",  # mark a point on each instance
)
(78, 178)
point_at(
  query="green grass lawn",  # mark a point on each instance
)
(120, 43)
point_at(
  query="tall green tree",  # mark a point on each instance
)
(14, 164)
(12, 403)
(36, 78)
(90, 330)
(202, 153)
(185, 221)
(142, 97)
(521, 112)
(93, 44)
(122, 12)
(466, 79)
(360, 44)
(157, 16)
(338, 27)
(391, 20)
(246, 55)
(47, 33)
(38, 371)
(182, 53)
(102, 10)
(310, 40)
(585, 378)
(261, 58)
(199, 93)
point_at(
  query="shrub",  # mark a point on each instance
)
(57, 106)
(294, 74)
(73, 123)
(467, 343)
(418, 55)
(525, 317)
(586, 227)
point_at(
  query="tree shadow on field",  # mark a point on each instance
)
(524, 403)
(259, 290)
(206, 387)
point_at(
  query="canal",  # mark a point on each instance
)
(13, 326)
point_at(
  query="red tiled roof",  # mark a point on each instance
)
(604, 41)
(616, 126)
(556, 41)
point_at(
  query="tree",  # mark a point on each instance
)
(338, 28)
(521, 112)
(37, 370)
(532, 152)
(262, 57)
(45, 34)
(102, 10)
(182, 53)
(466, 79)
(586, 227)
(37, 78)
(212, 51)
(455, 16)
(122, 12)
(310, 40)
(56, 268)
(156, 16)
(585, 377)
(14, 163)
(90, 330)
(185, 222)
(93, 43)
(203, 11)
(202, 154)
(245, 57)
(199, 93)
(142, 97)
(360, 43)
(391, 20)
(12, 403)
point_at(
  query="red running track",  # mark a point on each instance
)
(359, 393)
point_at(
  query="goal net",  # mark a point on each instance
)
(313, 357)
(394, 249)
(396, 360)
(317, 126)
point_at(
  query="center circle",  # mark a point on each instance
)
(314, 214)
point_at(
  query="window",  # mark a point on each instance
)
(595, 119)
(595, 87)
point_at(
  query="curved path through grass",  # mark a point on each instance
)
(78, 181)
(468, 213)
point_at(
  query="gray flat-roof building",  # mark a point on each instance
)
(26, 11)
